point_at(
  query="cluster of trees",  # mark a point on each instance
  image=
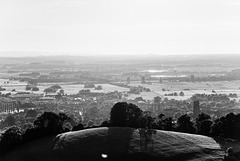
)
(99, 87)
(2, 89)
(129, 115)
(89, 85)
(138, 90)
(32, 88)
(211, 97)
(47, 124)
(175, 94)
(232, 95)
(53, 89)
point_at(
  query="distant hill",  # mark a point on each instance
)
(118, 144)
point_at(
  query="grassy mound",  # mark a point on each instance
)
(118, 144)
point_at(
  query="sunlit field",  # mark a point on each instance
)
(189, 88)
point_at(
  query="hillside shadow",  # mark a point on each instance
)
(146, 139)
(121, 136)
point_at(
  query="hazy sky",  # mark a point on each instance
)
(120, 26)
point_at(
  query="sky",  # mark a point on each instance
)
(104, 27)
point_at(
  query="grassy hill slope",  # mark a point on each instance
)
(118, 144)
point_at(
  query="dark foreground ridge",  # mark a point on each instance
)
(118, 144)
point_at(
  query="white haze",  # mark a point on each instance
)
(103, 27)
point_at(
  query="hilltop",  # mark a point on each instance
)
(118, 144)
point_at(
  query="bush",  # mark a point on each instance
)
(78, 127)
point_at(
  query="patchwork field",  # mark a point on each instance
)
(69, 88)
(188, 88)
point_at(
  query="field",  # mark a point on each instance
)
(189, 88)
(69, 88)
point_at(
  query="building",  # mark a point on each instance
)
(143, 80)
(160, 80)
(196, 109)
(128, 80)
(192, 78)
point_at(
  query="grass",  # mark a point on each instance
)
(118, 144)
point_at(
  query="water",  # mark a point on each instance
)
(155, 71)
(169, 76)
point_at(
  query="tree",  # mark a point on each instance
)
(105, 124)
(50, 123)
(99, 87)
(146, 121)
(217, 128)
(49, 90)
(168, 124)
(118, 114)
(181, 93)
(205, 127)
(184, 124)
(56, 87)
(35, 88)
(125, 115)
(200, 118)
(157, 99)
(61, 91)
(159, 123)
(133, 113)
(227, 126)
(139, 99)
(78, 127)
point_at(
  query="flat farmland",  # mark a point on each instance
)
(188, 88)
(69, 88)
